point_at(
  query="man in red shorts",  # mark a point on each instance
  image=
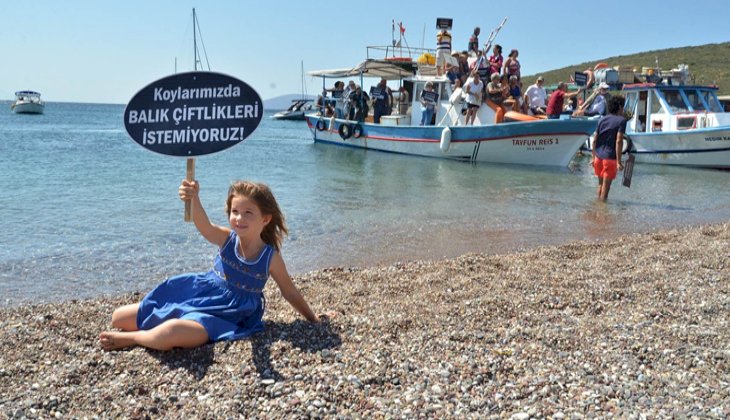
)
(607, 145)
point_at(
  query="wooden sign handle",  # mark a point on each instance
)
(190, 176)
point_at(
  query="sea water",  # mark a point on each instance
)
(87, 212)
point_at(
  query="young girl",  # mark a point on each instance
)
(226, 303)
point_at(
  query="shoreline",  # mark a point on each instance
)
(630, 326)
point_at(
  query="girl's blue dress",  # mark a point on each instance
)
(227, 301)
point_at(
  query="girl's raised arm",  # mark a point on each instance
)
(289, 291)
(214, 234)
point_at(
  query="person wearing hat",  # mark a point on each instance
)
(535, 97)
(598, 105)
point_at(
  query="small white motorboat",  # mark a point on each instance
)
(27, 102)
(676, 124)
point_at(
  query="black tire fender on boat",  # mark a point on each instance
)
(357, 131)
(345, 131)
(321, 125)
(627, 146)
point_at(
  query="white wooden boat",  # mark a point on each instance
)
(517, 139)
(674, 124)
(27, 102)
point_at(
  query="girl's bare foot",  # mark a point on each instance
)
(111, 340)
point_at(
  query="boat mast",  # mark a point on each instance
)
(195, 43)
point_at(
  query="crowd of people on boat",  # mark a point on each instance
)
(478, 77)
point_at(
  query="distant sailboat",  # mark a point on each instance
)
(299, 107)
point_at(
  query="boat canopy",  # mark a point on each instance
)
(387, 69)
(27, 93)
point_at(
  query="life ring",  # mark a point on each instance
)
(321, 125)
(627, 146)
(357, 131)
(600, 66)
(345, 131)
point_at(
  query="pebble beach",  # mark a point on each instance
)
(634, 327)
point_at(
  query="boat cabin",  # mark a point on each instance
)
(655, 107)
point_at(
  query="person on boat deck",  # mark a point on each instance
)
(479, 63)
(571, 106)
(598, 105)
(463, 67)
(382, 104)
(427, 106)
(590, 77)
(535, 97)
(474, 90)
(452, 73)
(496, 60)
(403, 100)
(473, 46)
(326, 108)
(336, 93)
(607, 146)
(360, 104)
(494, 90)
(457, 96)
(515, 92)
(349, 110)
(557, 98)
(512, 65)
(443, 49)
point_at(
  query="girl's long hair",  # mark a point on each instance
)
(274, 232)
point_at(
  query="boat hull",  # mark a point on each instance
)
(28, 108)
(708, 148)
(544, 142)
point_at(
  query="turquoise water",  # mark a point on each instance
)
(86, 212)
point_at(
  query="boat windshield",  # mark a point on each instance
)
(695, 100)
(673, 99)
(713, 105)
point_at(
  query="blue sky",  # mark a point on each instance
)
(104, 51)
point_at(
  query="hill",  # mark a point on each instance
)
(282, 102)
(708, 64)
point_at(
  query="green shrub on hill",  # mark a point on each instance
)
(708, 64)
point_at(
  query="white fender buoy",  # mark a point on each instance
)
(445, 139)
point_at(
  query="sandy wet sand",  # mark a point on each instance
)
(624, 328)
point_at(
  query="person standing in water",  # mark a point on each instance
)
(607, 146)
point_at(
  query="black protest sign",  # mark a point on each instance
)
(430, 97)
(193, 114)
(444, 23)
(580, 78)
(376, 92)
